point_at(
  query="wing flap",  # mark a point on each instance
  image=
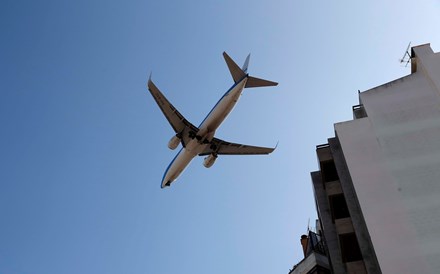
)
(221, 147)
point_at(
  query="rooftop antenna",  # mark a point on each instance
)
(406, 56)
(308, 226)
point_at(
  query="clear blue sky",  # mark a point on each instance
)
(83, 146)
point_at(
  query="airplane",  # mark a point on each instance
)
(200, 141)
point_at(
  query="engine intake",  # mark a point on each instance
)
(209, 160)
(173, 143)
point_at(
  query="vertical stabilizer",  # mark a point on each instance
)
(246, 63)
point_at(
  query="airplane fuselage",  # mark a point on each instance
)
(205, 134)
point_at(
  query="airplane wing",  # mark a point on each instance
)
(221, 147)
(180, 125)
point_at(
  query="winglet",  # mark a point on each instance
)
(150, 85)
(273, 149)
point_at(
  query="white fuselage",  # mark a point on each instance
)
(206, 132)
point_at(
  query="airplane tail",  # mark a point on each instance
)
(239, 73)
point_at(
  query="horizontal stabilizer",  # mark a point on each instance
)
(236, 72)
(239, 74)
(254, 82)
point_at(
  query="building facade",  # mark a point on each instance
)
(377, 190)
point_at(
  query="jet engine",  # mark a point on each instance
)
(173, 143)
(209, 160)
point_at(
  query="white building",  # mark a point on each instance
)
(378, 188)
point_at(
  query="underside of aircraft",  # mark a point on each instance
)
(200, 141)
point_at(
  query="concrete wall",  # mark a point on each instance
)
(393, 157)
(357, 220)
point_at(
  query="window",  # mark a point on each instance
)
(328, 171)
(338, 207)
(350, 250)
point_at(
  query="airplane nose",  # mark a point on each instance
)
(167, 184)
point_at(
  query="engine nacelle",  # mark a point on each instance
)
(209, 160)
(173, 143)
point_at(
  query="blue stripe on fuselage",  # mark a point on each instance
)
(166, 171)
(226, 93)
